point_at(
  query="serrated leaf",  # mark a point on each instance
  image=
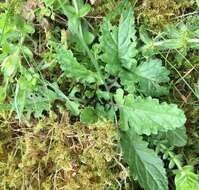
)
(170, 44)
(73, 69)
(103, 95)
(73, 18)
(148, 116)
(150, 75)
(106, 112)
(73, 107)
(144, 164)
(128, 79)
(186, 179)
(119, 43)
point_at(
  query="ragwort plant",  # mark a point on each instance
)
(104, 76)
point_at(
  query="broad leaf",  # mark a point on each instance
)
(150, 75)
(119, 43)
(177, 137)
(144, 164)
(128, 79)
(148, 116)
(186, 179)
(73, 69)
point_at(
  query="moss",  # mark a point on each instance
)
(49, 155)
(158, 13)
(154, 13)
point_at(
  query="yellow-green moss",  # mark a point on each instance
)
(49, 155)
(154, 13)
(157, 13)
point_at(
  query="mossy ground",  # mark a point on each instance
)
(54, 154)
(57, 155)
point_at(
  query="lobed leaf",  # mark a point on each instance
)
(73, 69)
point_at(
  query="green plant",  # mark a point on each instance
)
(197, 89)
(182, 38)
(102, 76)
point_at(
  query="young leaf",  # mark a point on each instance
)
(144, 35)
(186, 179)
(73, 69)
(148, 116)
(143, 162)
(10, 65)
(119, 43)
(150, 75)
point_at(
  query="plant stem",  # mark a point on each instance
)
(89, 53)
(172, 156)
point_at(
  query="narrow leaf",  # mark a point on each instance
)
(197, 89)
